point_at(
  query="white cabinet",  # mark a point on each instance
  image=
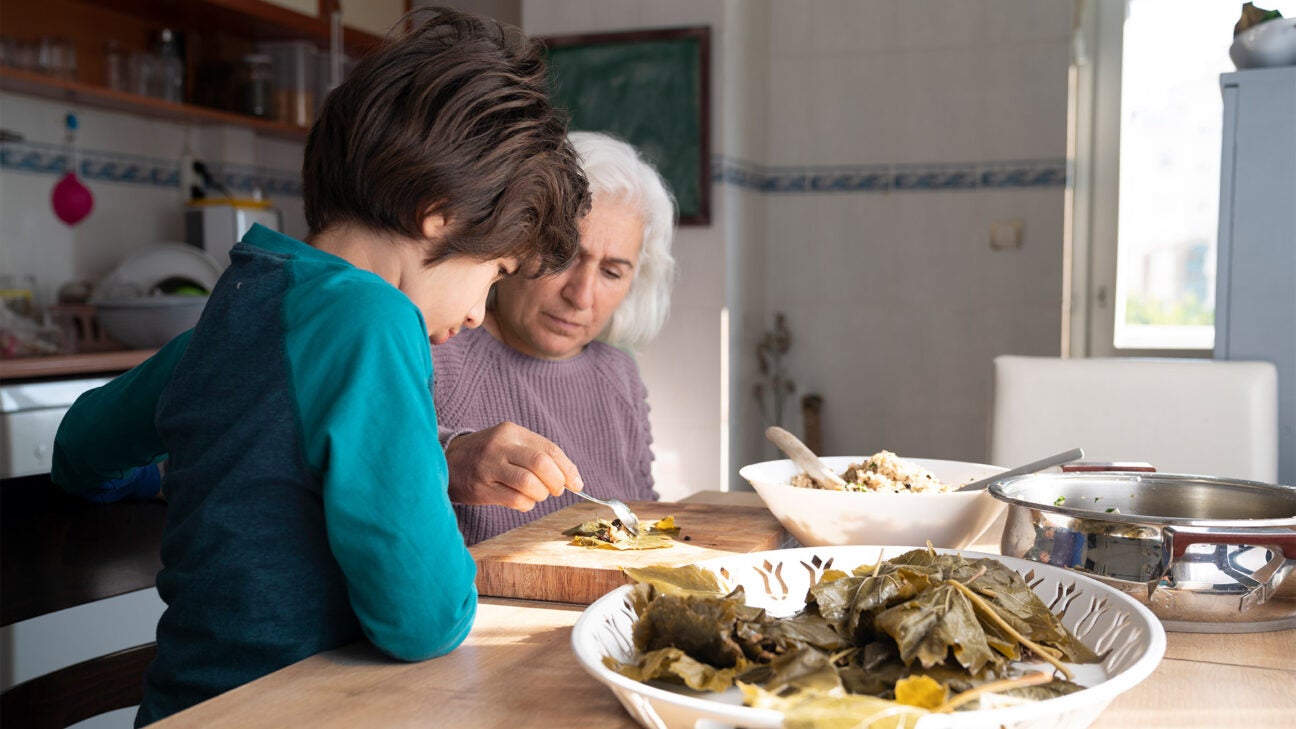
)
(1255, 289)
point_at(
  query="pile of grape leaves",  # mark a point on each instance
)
(920, 632)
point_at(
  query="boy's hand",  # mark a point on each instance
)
(139, 484)
(508, 465)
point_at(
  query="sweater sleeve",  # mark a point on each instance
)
(370, 430)
(109, 434)
(641, 450)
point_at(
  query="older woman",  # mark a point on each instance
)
(547, 387)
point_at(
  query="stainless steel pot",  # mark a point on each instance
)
(1205, 554)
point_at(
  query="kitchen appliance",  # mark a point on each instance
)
(1207, 555)
(215, 225)
(1254, 295)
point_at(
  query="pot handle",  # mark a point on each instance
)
(1097, 466)
(1262, 583)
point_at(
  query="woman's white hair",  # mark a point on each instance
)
(616, 169)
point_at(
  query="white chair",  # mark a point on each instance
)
(1206, 417)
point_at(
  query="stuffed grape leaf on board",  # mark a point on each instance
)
(604, 534)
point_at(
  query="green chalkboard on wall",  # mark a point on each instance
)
(650, 88)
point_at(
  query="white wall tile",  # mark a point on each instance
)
(562, 17)
(938, 96)
(1027, 20)
(675, 13)
(792, 95)
(928, 24)
(836, 26)
(877, 23)
(790, 27)
(1023, 105)
(870, 108)
(32, 241)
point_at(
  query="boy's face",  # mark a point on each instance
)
(452, 293)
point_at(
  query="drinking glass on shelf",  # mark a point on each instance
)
(57, 57)
(142, 74)
(114, 66)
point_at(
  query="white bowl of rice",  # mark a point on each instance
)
(890, 500)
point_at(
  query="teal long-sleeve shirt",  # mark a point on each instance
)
(307, 493)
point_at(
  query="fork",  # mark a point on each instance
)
(618, 507)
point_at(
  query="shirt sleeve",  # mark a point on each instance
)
(370, 430)
(110, 432)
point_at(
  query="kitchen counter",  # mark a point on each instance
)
(94, 363)
(516, 669)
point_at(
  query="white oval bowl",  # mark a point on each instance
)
(1127, 634)
(819, 518)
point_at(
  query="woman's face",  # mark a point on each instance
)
(554, 317)
(452, 293)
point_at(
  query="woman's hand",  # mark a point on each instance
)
(508, 465)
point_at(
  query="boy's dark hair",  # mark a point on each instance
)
(451, 117)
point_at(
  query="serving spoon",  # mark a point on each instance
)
(1056, 459)
(802, 456)
(618, 507)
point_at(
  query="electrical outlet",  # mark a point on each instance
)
(1006, 234)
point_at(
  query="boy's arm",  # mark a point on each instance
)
(370, 430)
(107, 443)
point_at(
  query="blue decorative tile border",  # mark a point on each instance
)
(52, 159)
(43, 158)
(889, 178)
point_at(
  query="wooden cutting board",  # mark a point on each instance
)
(536, 562)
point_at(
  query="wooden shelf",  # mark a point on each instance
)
(97, 363)
(74, 92)
(247, 18)
(215, 34)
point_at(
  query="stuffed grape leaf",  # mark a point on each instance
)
(919, 627)
(604, 534)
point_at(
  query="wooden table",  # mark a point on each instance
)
(516, 669)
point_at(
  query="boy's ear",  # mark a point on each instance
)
(434, 226)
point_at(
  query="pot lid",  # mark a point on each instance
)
(1169, 499)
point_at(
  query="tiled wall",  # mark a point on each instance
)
(132, 167)
(921, 122)
(864, 147)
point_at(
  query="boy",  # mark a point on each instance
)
(305, 509)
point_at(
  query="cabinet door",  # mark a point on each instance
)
(372, 16)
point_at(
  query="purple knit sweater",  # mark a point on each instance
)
(593, 406)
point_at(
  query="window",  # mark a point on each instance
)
(1146, 140)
